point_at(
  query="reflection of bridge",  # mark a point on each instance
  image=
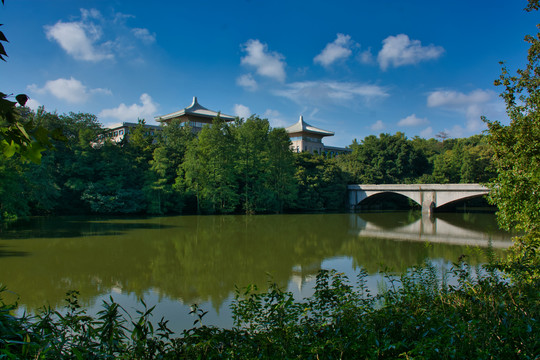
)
(429, 229)
(429, 196)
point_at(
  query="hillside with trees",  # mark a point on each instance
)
(240, 167)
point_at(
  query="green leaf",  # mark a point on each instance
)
(33, 152)
(9, 149)
(42, 136)
(22, 130)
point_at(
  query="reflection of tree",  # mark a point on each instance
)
(374, 254)
(192, 258)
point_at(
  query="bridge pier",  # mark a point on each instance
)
(428, 202)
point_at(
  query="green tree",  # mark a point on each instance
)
(280, 171)
(209, 168)
(516, 189)
(447, 166)
(252, 163)
(193, 177)
(13, 203)
(167, 158)
(385, 159)
(321, 183)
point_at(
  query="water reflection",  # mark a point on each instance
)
(201, 258)
(469, 229)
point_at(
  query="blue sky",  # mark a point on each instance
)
(353, 67)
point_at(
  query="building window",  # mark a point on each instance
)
(115, 133)
(121, 132)
(311, 139)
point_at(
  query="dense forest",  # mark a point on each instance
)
(240, 167)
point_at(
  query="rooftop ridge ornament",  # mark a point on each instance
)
(195, 105)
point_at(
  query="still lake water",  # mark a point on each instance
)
(177, 261)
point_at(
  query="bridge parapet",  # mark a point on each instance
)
(429, 196)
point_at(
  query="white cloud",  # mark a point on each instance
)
(413, 120)
(70, 90)
(78, 40)
(269, 64)
(427, 133)
(147, 109)
(275, 118)
(121, 18)
(242, 111)
(339, 49)
(399, 50)
(456, 131)
(473, 105)
(33, 104)
(366, 57)
(455, 99)
(330, 91)
(377, 126)
(144, 35)
(90, 14)
(95, 38)
(247, 82)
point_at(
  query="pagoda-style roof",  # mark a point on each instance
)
(195, 110)
(302, 127)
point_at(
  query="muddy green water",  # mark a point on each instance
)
(177, 261)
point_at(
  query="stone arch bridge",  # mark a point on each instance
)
(429, 196)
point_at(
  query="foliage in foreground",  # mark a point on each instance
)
(516, 189)
(421, 315)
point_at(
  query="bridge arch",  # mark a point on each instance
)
(429, 196)
(371, 194)
(461, 199)
(388, 200)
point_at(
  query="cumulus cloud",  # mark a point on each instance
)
(247, 82)
(337, 50)
(146, 109)
(242, 111)
(70, 90)
(79, 39)
(473, 105)
(377, 126)
(95, 38)
(330, 91)
(413, 120)
(399, 50)
(269, 64)
(33, 104)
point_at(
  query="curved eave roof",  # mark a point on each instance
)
(195, 109)
(302, 127)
